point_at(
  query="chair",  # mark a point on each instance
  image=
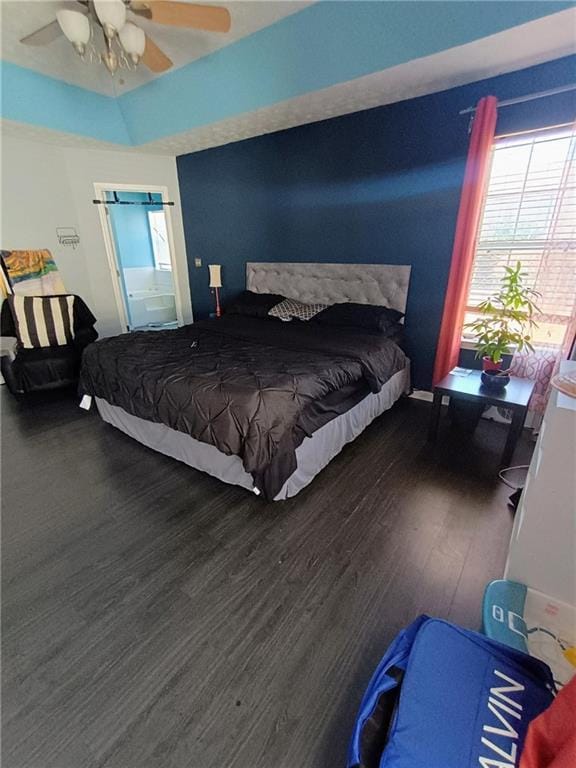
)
(42, 368)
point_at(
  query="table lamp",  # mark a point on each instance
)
(216, 284)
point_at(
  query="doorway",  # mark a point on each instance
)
(137, 231)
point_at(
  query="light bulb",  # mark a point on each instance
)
(111, 14)
(76, 27)
(133, 41)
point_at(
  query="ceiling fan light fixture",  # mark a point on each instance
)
(110, 60)
(126, 45)
(75, 27)
(133, 41)
(111, 14)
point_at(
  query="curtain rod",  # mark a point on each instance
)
(529, 97)
(117, 201)
(129, 202)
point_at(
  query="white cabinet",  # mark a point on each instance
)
(542, 552)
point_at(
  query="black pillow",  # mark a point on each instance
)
(252, 304)
(395, 332)
(368, 317)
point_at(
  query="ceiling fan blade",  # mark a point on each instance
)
(154, 58)
(211, 18)
(44, 35)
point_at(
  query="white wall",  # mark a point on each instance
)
(37, 198)
(46, 186)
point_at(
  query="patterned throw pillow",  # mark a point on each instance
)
(290, 308)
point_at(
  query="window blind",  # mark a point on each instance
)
(529, 215)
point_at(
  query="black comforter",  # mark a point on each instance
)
(252, 388)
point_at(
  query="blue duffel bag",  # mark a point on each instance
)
(446, 697)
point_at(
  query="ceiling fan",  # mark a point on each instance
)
(126, 43)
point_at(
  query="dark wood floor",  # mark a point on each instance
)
(154, 617)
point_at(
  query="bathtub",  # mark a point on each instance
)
(151, 307)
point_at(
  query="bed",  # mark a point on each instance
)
(253, 401)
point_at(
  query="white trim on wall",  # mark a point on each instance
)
(111, 255)
(100, 189)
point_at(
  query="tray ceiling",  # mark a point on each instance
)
(319, 61)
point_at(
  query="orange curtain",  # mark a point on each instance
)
(467, 223)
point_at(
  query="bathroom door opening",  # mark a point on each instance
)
(138, 236)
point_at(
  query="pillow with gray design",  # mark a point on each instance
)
(291, 308)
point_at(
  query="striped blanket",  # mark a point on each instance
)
(43, 321)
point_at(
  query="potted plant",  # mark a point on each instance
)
(505, 324)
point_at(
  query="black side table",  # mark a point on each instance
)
(515, 396)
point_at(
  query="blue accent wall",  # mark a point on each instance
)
(378, 186)
(131, 230)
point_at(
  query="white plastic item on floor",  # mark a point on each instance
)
(532, 622)
(542, 553)
(551, 629)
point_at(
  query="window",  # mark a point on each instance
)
(159, 236)
(530, 216)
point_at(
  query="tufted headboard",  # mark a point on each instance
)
(381, 284)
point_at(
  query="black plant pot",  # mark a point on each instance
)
(494, 380)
